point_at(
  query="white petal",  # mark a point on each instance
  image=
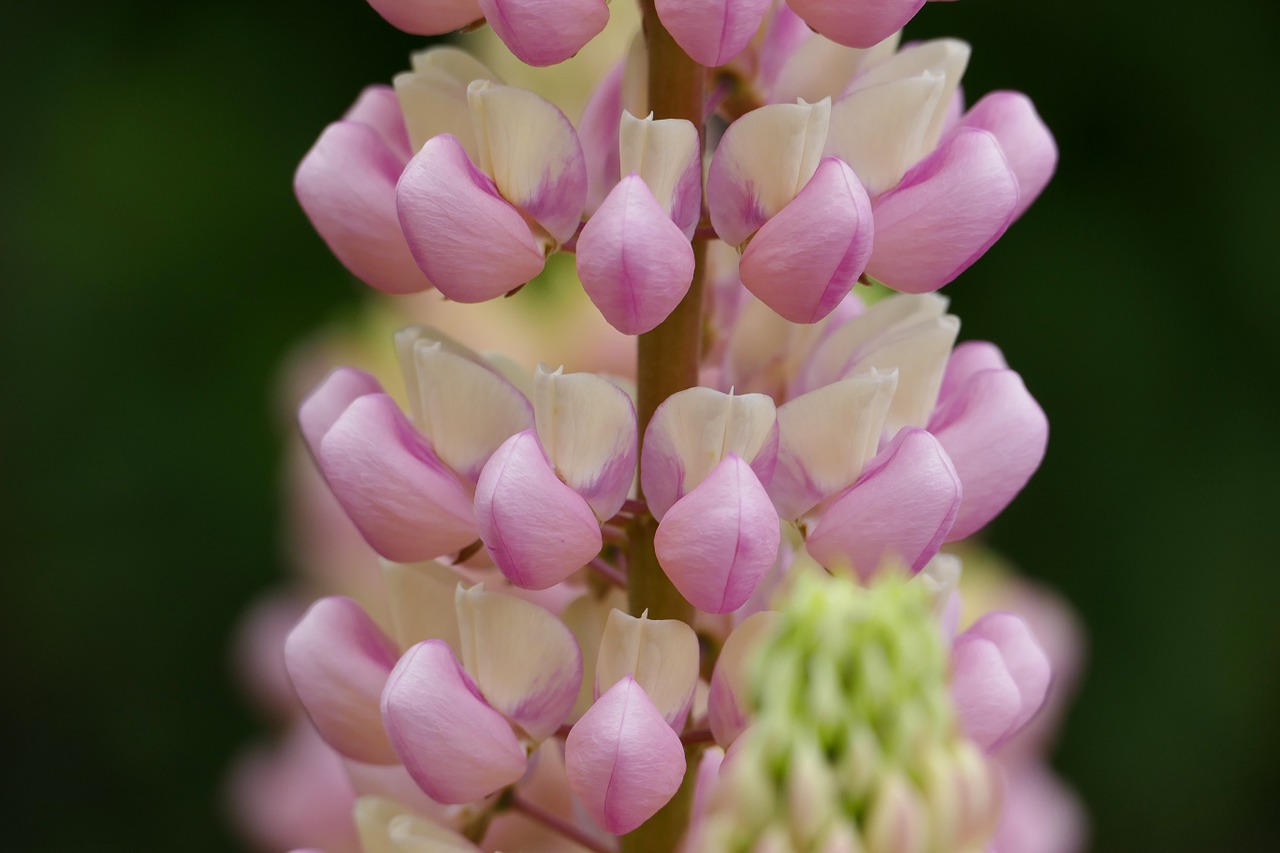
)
(587, 427)
(661, 655)
(433, 96)
(881, 131)
(820, 68)
(523, 659)
(947, 57)
(667, 155)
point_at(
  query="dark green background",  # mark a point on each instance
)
(154, 268)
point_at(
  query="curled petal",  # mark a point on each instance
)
(325, 405)
(999, 678)
(967, 359)
(464, 235)
(804, 260)
(712, 31)
(453, 744)
(346, 184)
(635, 264)
(428, 19)
(693, 430)
(524, 660)
(727, 700)
(623, 761)
(379, 108)
(717, 542)
(900, 509)
(826, 437)
(667, 155)
(406, 503)
(532, 153)
(544, 32)
(661, 655)
(465, 408)
(433, 96)
(996, 434)
(587, 427)
(338, 661)
(947, 58)
(946, 212)
(880, 131)
(908, 333)
(538, 530)
(856, 24)
(1026, 141)
(763, 160)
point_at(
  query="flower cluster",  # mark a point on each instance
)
(726, 571)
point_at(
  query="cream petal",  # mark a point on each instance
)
(881, 131)
(826, 438)
(660, 654)
(421, 596)
(667, 155)
(532, 153)
(433, 96)
(587, 427)
(524, 660)
(693, 430)
(730, 681)
(948, 57)
(763, 160)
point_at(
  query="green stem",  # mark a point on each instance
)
(667, 362)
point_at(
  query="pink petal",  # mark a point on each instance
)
(804, 260)
(900, 509)
(322, 408)
(712, 31)
(428, 19)
(727, 698)
(623, 761)
(1027, 143)
(468, 239)
(967, 359)
(379, 107)
(999, 678)
(346, 184)
(405, 502)
(598, 135)
(338, 661)
(544, 32)
(453, 744)
(634, 262)
(538, 530)
(859, 24)
(946, 212)
(995, 433)
(717, 542)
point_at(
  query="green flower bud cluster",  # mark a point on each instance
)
(854, 744)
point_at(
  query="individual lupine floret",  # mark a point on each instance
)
(854, 743)
(538, 32)
(978, 410)
(484, 228)
(801, 220)
(1000, 677)
(706, 459)
(346, 183)
(623, 757)
(634, 255)
(464, 731)
(543, 495)
(942, 192)
(408, 485)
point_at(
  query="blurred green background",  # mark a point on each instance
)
(154, 269)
